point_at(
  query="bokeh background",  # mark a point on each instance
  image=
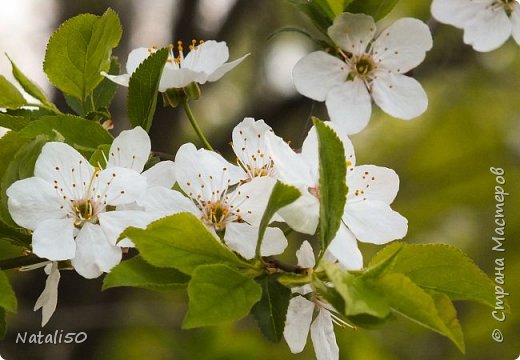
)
(443, 159)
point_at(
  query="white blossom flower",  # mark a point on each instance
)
(206, 61)
(66, 205)
(250, 147)
(131, 150)
(300, 314)
(367, 215)
(217, 196)
(371, 67)
(48, 299)
(487, 24)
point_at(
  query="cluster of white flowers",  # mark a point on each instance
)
(77, 211)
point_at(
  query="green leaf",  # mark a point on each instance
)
(359, 296)
(378, 9)
(376, 269)
(282, 195)
(442, 268)
(182, 242)
(138, 273)
(448, 315)
(3, 324)
(336, 6)
(14, 236)
(79, 50)
(321, 18)
(30, 114)
(271, 310)
(333, 188)
(10, 144)
(12, 122)
(84, 135)
(10, 97)
(20, 167)
(7, 296)
(409, 300)
(30, 87)
(219, 294)
(102, 96)
(143, 87)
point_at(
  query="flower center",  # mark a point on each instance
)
(257, 170)
(177, 59)
(217, 214)
(84, 211)
(362, 66)
(507, 5)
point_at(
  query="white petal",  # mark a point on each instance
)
(135, 58)
(33, 200)
(173, 77)
(249, 145)
(249, 200)
(302, 215)
(323, 337)
(202, 172)
(130, 149)
(123, 79)
(399, 95)
(118, 186)
(48, 299)
(349, 106)
(488, 30)
(114, 222)
(225, 68)
(166, 202)
(352, 32)
(305, 255)
(94, 254)
(274, 242)
(242, 238)
(290, 166)
(372, 183)
(161, 174)
(344, 248)
(317, 73)
(456, 13)
(515, 24)
(297, 323)
(206, 57)
(403, 45)
(310, 153)
(374, 222)
(53, 239)
(61, 165)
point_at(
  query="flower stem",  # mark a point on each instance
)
(195, 125)
(20, 261)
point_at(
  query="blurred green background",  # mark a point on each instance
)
(443, 159)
